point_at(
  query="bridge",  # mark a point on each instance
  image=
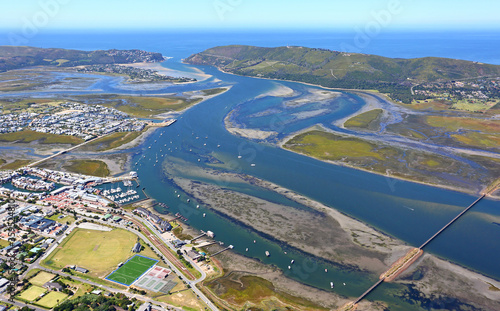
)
(406, 261)
(63, 152)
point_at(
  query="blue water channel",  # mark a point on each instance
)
(408, 211)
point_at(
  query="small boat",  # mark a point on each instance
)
(268, 254)
(218, 146)
(199, 160)
(204, 144)
(188, 200)
(204, 215)
(149, 147)
(253, 164)
(197, 206)
(239, 157)
(254, 241)
(178, 195)
(291, 262)
(246, 250)
(343, 283)
(326, 270)
(331, 285)
(289, 267)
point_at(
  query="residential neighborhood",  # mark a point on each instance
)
(79, 120)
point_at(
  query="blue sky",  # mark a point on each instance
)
(230, 14)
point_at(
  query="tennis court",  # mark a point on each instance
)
(131, 270)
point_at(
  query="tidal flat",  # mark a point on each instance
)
(343, 240)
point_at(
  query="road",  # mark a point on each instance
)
(164, 242)
(163, 251)
(63, 152)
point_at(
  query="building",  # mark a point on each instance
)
(193, 255)
(81, 270)
(137, 247)
(53, 286)
(179, 243)
(3, 284)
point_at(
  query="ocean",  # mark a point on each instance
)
(376, 200)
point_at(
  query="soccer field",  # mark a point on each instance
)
(131, 270)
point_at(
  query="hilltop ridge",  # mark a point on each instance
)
(16, 57)
(336, 69)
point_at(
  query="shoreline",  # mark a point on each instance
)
(358, 92)
(170, 72)
(372, 92)
(469, 281)
(339, 163)
(203, 99)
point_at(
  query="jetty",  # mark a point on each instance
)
(161, 124)
(225, 249)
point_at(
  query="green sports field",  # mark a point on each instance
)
(98, 251)
(131, 270)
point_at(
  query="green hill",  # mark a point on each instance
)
(338, 69)
(15, 57)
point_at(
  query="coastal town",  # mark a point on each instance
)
(135, 74)
(50, 207)
(74, 119)
(476, 95)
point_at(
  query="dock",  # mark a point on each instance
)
(225, 249)
(161, 124)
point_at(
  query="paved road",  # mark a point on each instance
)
(63, 151)
(166, 252)
(160, 246)
(164, 242)
(19, 304)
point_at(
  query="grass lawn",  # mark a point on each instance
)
(4, 243)
(63, 220)
(78, 287)
(52, 299)
(131, 270)
(88, 167)
(42, 278)
(364, 120)
(98, 251)
(27, 136)
(15, 164)
(31, 293)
